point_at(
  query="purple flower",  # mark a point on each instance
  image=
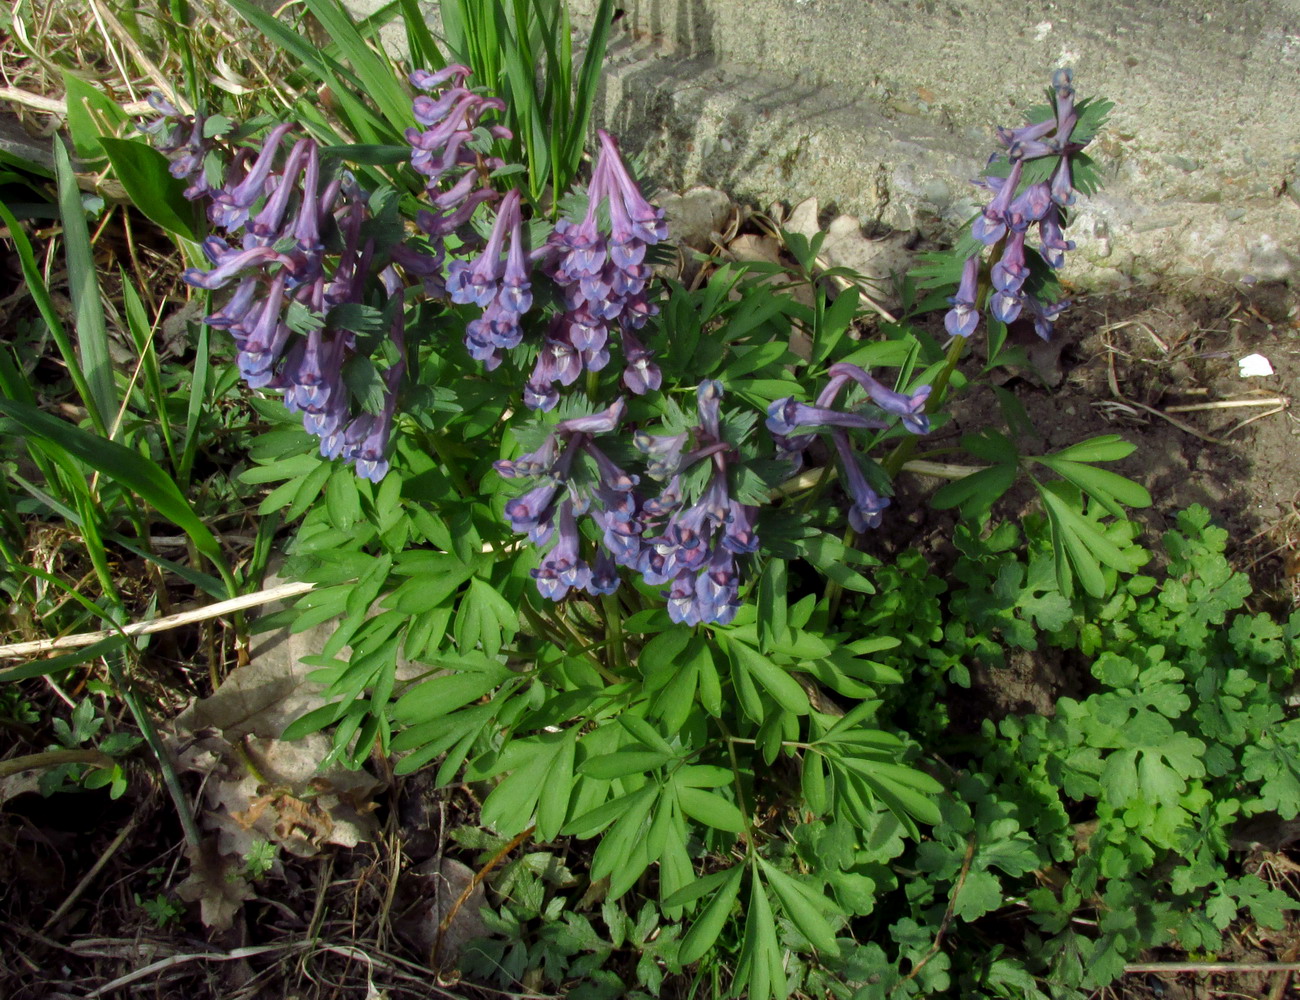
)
(991, 224)
(1054, 245)
(1045, 314)
(963, 317)
(1010, 272)
(867, 506)
(1006, 305)
(910, 407)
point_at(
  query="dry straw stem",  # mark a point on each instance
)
(262, 597)
(1214, 968)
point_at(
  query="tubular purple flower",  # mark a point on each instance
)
(910, 407)
(1061, 187)
(1030, 206)
(681, 599)
(306, 229)
(527, 511)
(963, 317)
(425, 79)
(867, 505)
(627, 207)
(265, 227)
(603, 422)
(1045, 314)
(1010, 137)
(641, 374)
(231, 265)
(1054, 243)
(708, 397)
(367, 439)
(235, 308)
(604, 576)
(1010, 272)
(230, 205)
(516, 294)
(991, 225)
(786, 416)
(1006, 305)
(739, 535)
(562, 569)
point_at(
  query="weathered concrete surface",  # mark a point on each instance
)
(886, 109)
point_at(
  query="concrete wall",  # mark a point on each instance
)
(886, 109)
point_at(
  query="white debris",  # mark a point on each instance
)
(1254, 365)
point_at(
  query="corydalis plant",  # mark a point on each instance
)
(1034, 183)
(794, 426)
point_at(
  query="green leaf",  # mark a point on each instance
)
(778, 683)
(84, 102)
(708, 925)
(144, 173)
(710, 809)
(975, 493)
(608, 767)
(804, 908)
(1106, 448)
(557, 789)
(83, 286)
(1107, 487)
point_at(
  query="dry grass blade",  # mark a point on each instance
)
(262, 597)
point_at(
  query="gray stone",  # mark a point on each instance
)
(693, 217)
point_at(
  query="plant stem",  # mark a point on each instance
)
(614, 630)
(142, 719)
(450, 467)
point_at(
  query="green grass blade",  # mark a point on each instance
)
(425, 53)
(588, 83)
(200, 393)
(137, 322)
(375, 72)
(83, 286)
(129, 469)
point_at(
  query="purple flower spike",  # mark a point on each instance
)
(963, 317)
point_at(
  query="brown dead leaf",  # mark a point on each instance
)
(217, 884)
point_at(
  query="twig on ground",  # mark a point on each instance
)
(59, 105)
(1213, 968)
(91, 875)
(468, 891)
(53, 758)
(937, 943)
(202, 956)
(281, 592)
(1228, 404)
